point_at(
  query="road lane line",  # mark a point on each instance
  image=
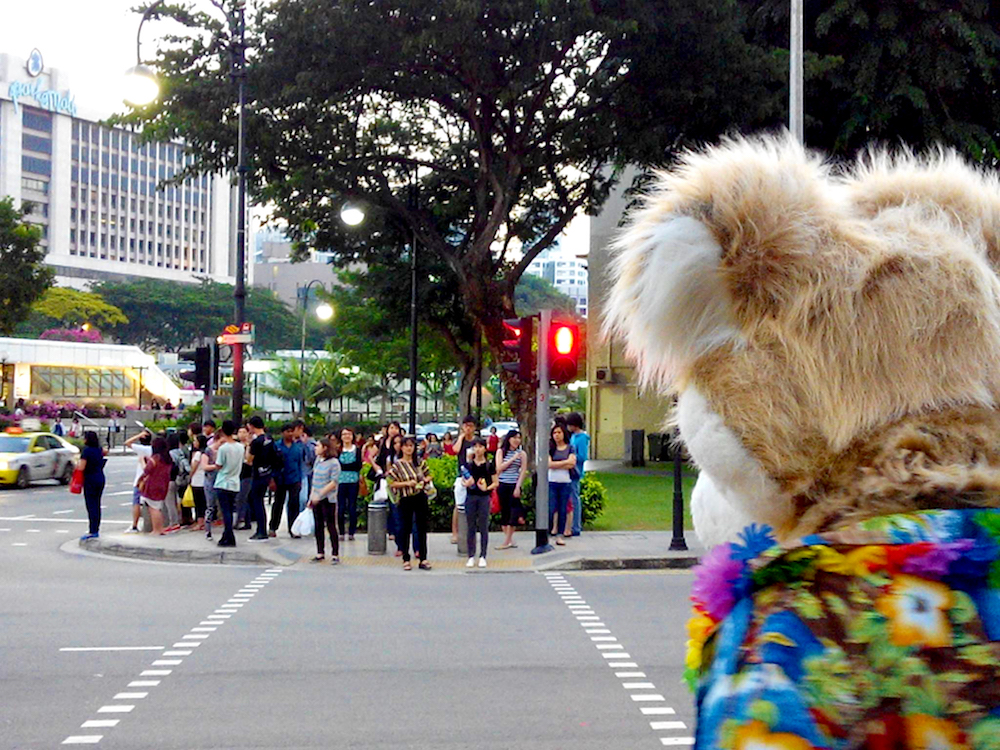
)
(639, 686)
(667, 725)
(83, 739)
(97, 723)
(129, 696)
(143, 683)
(622, 665)
(182, 644)
(60, 512)
(155, 672)
(622, 675)
(167, 662)
(116, 709)
(185, 652)
(647, 698)
(657, 711)
(673, 741)
(112, 648)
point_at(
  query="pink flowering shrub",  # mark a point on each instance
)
(78, 335)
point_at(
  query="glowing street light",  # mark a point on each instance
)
(352, 214)
(141, 87)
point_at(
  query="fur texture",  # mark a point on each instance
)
(847, 337)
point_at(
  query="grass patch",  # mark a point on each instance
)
(641, 503)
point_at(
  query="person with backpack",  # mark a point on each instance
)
(265, 462)
(174, 490)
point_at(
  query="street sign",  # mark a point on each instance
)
(237, 334)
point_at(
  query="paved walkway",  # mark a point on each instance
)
(591, 551)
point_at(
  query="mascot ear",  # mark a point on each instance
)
(724, 241)
(668, 301)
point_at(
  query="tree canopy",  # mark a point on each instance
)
(23, 275)
(172, 315)
(73, 308)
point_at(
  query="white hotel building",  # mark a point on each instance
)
(96, 193)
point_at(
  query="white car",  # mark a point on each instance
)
(502, 428)
(27, 456)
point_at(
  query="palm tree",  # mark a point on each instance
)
(290, 386)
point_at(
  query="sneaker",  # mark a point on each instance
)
(335, 561)
(85, 537)
(257, 538)
(272, 533)
(471, 563)
(482, 562)
(208, 536)
(132, 530)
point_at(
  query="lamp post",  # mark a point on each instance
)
(413, 311)
(143, 88)
(323, 312)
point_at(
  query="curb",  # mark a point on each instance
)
(206, 557)
(677, 562)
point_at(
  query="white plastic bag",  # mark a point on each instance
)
(381, 493)
(460, 492)
(305, 524)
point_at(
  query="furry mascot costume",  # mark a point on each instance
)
(833, 339)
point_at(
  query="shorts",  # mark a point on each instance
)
(154, 504)
(135, 495)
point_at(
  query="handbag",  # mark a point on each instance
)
(494, 502)
(431, 490)
(187, 501)
(381, 493)
(362, 487)
(76, 482)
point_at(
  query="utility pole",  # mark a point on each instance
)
(795, 89)
(542, 438)
(239, 293)
(206, 402)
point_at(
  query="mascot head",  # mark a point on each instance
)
(833, 338)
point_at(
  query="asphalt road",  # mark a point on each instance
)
(316, 656)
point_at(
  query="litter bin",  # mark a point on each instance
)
(377, 517)
(656, 449)
(463, 534)
(635, 444)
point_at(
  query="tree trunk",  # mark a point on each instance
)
(470, 372)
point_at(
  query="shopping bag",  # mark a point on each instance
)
(305, 524)
(494, 503)
(381, 492)
(460, 493)
(76, 482)
(187, 501)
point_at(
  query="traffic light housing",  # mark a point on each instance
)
(564, 351)
(519, 339)
(201, 376)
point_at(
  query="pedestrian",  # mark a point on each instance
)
(480, 482)
(462, 446)
(349, 459)
(561, 460)
(493, 442)
(288, 481)
(228, 463)
(57, 428)
(388, 453)
(207, 461)
(244, 515)
(75, 428)
(512, 468)
(91, 463)
(448, 444)
(370, 451)
(309, 460)
(198, 480)
(434, 449)
(324, 499)
(155, 481)
(140, 445)
(264, 460)
(179, 472)
(410, 480)
(154, 405)
(579, 440)
(113, 429)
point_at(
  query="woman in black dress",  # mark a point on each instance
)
(92, 462)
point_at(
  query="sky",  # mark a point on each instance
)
(91, 40)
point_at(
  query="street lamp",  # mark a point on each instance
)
(324, 312)
(352, 214)
(142, 87)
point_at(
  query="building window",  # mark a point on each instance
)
(36, 119)
(39, 186)
(34, 165)
(36, 143)
(80, 382)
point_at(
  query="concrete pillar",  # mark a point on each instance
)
(463, 533)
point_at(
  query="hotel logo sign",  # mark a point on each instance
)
(35, 64)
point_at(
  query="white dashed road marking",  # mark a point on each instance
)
(609, 648)
(192, 639)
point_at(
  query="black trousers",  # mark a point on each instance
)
(325, 515)
(199, 501)
(347, 506)
(413, 508)
(257, 491)
(227, 501)
(283, 493)
(92, 491)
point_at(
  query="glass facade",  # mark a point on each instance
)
(80, 382)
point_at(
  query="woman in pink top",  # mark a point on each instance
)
(155, 482)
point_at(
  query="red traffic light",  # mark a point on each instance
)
(564, 349)
(520, 332)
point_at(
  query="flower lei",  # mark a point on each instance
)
(723, 576)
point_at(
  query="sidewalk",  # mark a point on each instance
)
(606, 550)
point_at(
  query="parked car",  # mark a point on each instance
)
(440, 428)
(27, 456)
(502, 428)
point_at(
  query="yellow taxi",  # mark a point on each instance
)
(27, 456)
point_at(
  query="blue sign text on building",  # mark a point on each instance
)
(45, 98)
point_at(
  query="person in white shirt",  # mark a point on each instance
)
(141, 446)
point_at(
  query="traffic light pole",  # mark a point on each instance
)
(542, 438)
(206, 402)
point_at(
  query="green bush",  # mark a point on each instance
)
(593, 496)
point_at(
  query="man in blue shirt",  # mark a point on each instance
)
(579, 441)
(288, 482)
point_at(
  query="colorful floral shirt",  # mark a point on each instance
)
(884, 636)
